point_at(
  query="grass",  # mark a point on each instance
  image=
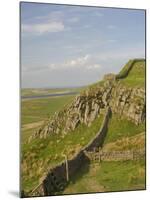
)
(35, 110)
(121, 127)
(125, 70)
(108, 176)
(38, 110)
(136, 76)
(127, 143)
(112, 175)
(125, 175)
(42, 154)
(26, 134)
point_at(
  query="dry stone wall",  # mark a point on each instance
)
(98, 140)
(56, 179)
(129, 65)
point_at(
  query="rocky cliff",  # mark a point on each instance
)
(127, 101)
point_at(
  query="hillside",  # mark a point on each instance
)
(68, 131)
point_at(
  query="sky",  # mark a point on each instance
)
(72, 46)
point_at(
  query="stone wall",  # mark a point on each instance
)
(128, 68)
(102, 155)
(98, 140)
(56, 179)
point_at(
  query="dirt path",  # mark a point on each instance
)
(88, 183)
(93, 185)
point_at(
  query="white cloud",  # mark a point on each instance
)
(52, 22)
(86, 62)
(81, 61)
(42, 28)
(54, 15)
(94, 66)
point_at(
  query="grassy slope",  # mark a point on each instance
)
(136, 76)
(121, 127)
(127, 143)
(122, 134)
(125, 68)
(44, 153)
(114, 176)
(109, 176)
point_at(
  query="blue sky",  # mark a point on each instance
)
(64, 46)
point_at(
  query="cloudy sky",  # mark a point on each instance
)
(63, 46)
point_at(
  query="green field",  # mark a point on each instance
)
(34, 110)
(43, 91)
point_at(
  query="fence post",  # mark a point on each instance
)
(66, 166)
(67, 170)
(99, 155)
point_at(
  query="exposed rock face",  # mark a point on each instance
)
(127, 102)
(84, 109)
(110, 77)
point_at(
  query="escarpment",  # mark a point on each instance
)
(85, 108)
(127, 101)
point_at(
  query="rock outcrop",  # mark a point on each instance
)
(83, 110)
(126, 101)
(129, 103)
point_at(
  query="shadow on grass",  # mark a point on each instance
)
(84, 169)
(81, 172)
